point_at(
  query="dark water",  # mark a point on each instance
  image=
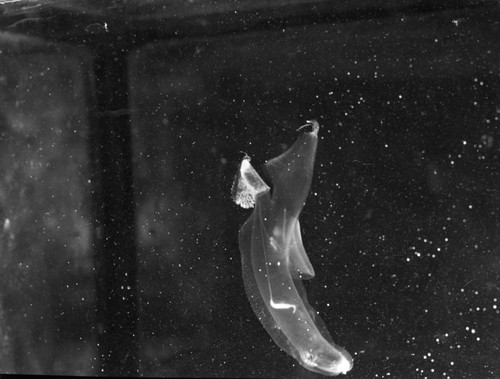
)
(401, 224)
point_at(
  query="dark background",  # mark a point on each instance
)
(401, 225)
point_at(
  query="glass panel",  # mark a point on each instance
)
(401, 224)
(398, 236)
(46, 278)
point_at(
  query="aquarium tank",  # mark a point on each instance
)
(250, 188)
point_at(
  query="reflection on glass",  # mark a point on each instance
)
(47, 296)
(274, 260)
